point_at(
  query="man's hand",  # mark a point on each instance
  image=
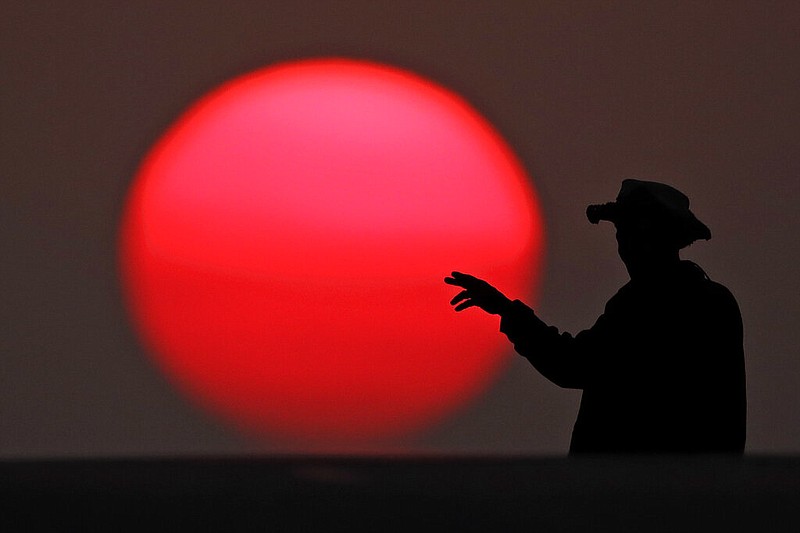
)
(477, 293)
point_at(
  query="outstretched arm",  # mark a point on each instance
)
(558, 357)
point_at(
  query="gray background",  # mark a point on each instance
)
(702, 95)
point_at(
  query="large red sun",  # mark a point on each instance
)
(284, 246)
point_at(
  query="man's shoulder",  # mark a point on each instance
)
(714, 296)
(712, 287)
(692, 282)
(722, 296)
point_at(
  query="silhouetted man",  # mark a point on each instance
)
(662, 369)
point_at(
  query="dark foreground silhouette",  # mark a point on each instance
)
(662, 369)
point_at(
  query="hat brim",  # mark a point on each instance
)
(685, 225)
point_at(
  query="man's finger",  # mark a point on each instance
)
(462, 282)
(465, 305)
(461, 275)
(465, 280)
(463, 295)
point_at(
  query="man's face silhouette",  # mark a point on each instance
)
(644, 247)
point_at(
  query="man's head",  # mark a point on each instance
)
(653, 223)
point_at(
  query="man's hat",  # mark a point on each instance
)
(657, 202)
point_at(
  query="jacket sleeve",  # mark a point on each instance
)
(563, 359)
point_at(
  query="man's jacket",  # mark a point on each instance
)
(662, 370)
